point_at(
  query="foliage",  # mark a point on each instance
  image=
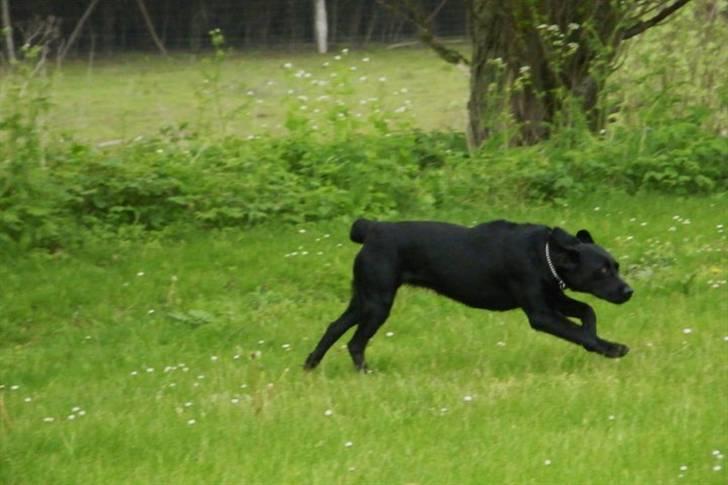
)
(31, 202)
(162, 181)
(674, 158)
(340, 155)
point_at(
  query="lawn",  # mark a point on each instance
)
(177, 359)
(174, 355)
(136, 95)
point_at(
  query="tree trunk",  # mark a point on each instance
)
(372, 25)
(355, 21)
(334, 23)
(8, 28)
(512, 76)
(320, 25)
(536, 65)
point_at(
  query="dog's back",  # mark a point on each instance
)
(413, 230)
(453, 260)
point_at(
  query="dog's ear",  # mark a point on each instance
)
(584, 236)
(565, 254)
(562, 239)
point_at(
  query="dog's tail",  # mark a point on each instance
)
(359, 230)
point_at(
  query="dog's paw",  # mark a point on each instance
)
(614, 350)
(310, 363)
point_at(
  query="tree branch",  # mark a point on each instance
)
(423, 23)
(76, 30)
(150, 27)
(436, 11)
(643, 25)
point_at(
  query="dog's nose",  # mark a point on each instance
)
(627, 292)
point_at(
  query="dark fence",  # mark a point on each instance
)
(114, 26)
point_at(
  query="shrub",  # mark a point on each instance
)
(333, 161)
(158, 182)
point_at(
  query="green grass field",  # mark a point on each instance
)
(178, 360)
(125, 98)
(175, 357)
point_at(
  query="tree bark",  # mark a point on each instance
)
(321, 26)
(8, 28)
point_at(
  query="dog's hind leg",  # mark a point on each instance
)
(374, 287)
(375, 312)
(375, 283)
(335, 330)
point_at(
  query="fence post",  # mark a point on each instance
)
(321, 25)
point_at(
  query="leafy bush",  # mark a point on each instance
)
(158, 182)
(153, 183)
(677, 158)
(333, 161)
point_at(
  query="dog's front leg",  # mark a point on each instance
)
(552, 322)
(585, 313)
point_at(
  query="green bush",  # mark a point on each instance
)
(158, 182)
(332, 162)
(678, 158)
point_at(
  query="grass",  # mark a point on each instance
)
(125, 97)
(177, 360)
(176, 357)
(137, 95)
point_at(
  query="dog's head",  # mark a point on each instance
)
(587, 267)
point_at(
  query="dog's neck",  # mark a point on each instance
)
(561, 283)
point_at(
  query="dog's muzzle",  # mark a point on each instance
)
(625, 293)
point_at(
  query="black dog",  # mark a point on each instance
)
(498, 265)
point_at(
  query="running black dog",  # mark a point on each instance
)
(498, 265)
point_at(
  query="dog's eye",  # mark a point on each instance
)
(604, 270)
